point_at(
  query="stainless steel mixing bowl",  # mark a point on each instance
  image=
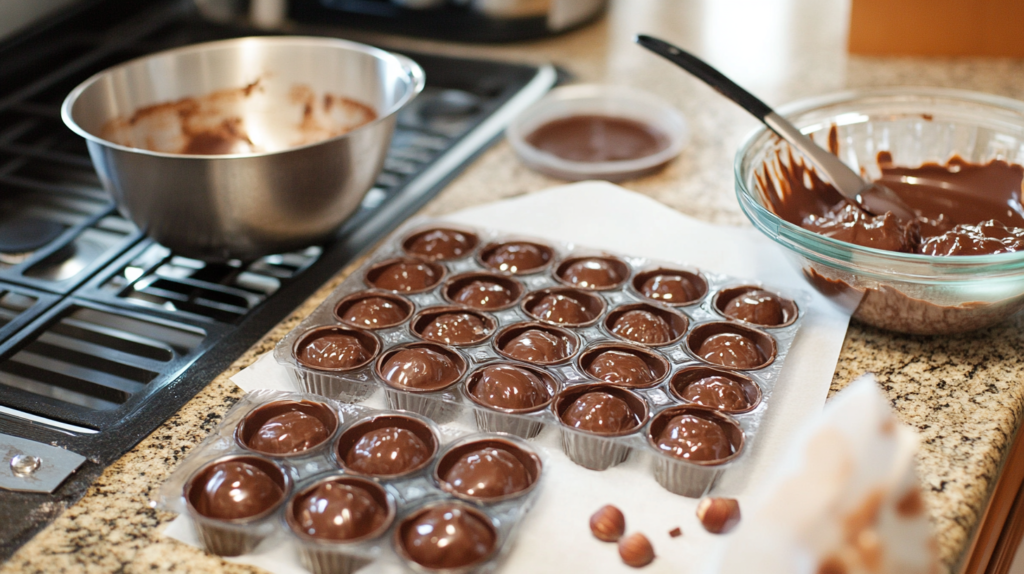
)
(286, 187)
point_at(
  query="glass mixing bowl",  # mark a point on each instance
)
(902, 292)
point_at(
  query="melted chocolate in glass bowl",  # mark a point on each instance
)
(963, 208)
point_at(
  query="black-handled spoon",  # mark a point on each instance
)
(873, 198)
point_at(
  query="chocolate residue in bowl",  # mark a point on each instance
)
(963, 208)
(249, 119)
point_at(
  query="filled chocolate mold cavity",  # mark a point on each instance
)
(404, 275)
(720, 389)
(511, 387)
(597, 273)
(757, 306)
(564, 306)
(372, 310)
(601, 409)
(732, 345)
(536, 343)
(420, 367)
(335, 348)
(286, 428)
(674, 287)
(624, 365)
(516, 257)
(451, 325)
(440, 243)
(646, 324)
(696, 434)
(483, 291)
(386, 446)
(346, 509)
(488, 470)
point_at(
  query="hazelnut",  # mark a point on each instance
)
(719, 515)
(636, 550)
(608, 524)
(675, 532)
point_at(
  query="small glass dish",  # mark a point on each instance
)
(618, 102)
(903, 292)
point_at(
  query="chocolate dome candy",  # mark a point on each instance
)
(516, 257)
(717, 392)
(448, 535)
(564, 306)
(440, 243)
(487, 472)
(335, 348)
(405, 275)
(387, 451)
(593, 272)
(337, 511)
(368, 310)
(234, 490)
(621, 368)
(510, 387)
(537, 345)
(670, 286)
(601, 413)
(420, 368)
(692, 437)
(289, 432)
(731, 350)
(758, 306)
(483, 294)
(456, 329)
(643, 327)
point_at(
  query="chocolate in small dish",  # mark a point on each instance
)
(404, 275)
(440, 243)
(369, 310)
(624, 365)
(754, 305)
(483, 291)
(719, 389)
(516, 257)
(449, 536)
(536, 343)
(670, 286)
(286, 428)
(511, 388)
(598, 273)
(488, 470)
(455, 326)
(696, 434)
(600, 409)
(420, 367)
(732, 345)
(646, 324)
(342, 509)
(564, 306)
(386, 446)
(335, 348)
(235, 490)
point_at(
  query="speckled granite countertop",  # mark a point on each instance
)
(963, 394)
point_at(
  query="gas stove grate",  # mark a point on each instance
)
(88, 365)
(150, 276)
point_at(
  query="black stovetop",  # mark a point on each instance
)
(104, 333)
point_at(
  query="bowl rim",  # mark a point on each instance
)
(676, 130)
(413, 70)
(822, 246)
